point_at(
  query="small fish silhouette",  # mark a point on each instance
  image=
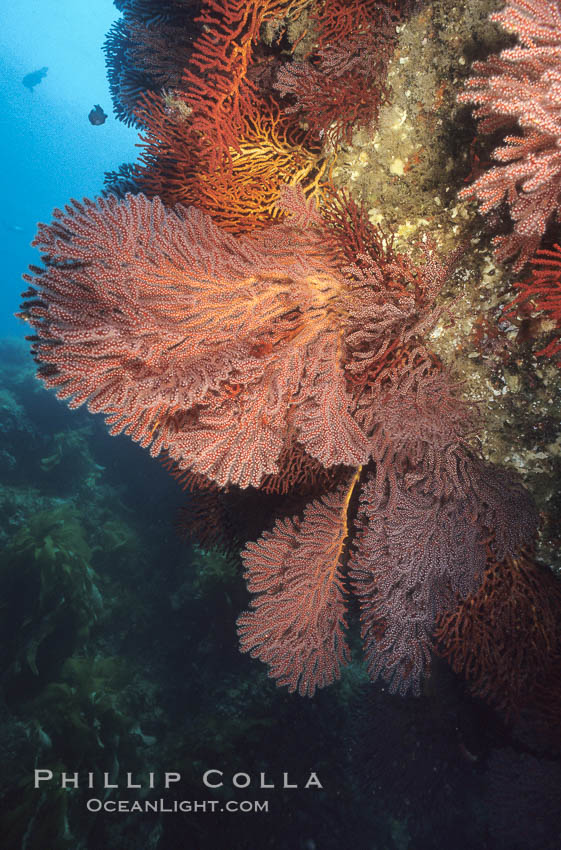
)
(14, 228)
(34, 78)
(97, 115)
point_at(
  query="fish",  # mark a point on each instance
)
(97, 115)
(34, 78)
(14, 228)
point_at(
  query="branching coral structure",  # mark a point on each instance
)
(542, 292)
(226, 352)
(221, 94)
(147, 50)
(240, 190)
(342, 85)
(483, 637)
(210, 347)
(520, 90)
(247, 321)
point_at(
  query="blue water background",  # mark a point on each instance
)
(49, 150)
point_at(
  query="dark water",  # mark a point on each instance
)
(139, 666)
(119, 657)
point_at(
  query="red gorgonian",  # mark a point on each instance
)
(341, 84)
(542, 292)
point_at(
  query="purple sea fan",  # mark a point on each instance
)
(520, 90)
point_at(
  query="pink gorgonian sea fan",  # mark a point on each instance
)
(219, 350)
(520, 90)
(227, 351)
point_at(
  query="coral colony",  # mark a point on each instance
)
(231, 310)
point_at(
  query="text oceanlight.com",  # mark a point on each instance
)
(162, 806)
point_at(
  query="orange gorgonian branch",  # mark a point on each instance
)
(220, 94)
(240, 190)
